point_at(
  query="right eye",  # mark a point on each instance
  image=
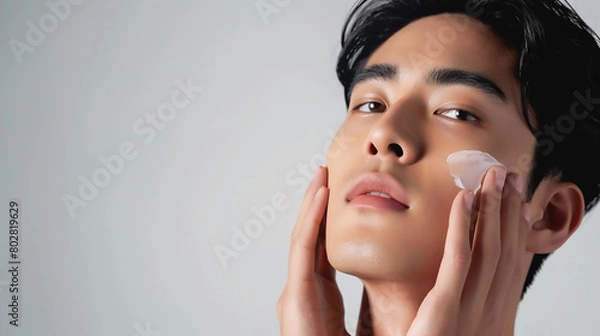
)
(370, 107)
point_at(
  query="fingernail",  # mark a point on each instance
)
(500, 177)
(516, 181)
(469, 200)
(320, 192)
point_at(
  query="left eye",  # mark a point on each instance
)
(459, 114)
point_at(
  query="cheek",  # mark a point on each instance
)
(348, 140)
(343, 161)
(340, 146)
(434, 210)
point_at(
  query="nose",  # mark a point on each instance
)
(395, 135)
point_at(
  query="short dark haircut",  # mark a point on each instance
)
(557, 67)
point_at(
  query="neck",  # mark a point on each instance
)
(389, 309)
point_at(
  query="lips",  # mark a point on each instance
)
(376, 183)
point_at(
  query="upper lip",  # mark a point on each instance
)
(378, 182)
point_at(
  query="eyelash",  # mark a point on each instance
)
(358, 107)
(470, 116)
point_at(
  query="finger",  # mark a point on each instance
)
(510, 226)
(473, 218)
(303, 245)
(522, 266)
(320, 179)
(457, 255)
(323, 267)
(486, 244)
(439, 309)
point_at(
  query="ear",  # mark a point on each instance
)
(557, 211)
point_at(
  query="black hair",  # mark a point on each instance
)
(557, 67)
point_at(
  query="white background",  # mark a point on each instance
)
(139, 258)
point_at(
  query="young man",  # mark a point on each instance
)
(423, 79)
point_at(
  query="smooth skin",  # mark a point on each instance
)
(421, 275)
(471, 280)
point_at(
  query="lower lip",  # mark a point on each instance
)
(376, 202)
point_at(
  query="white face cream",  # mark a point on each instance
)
(469, 166)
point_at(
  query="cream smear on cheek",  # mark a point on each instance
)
(469, 166)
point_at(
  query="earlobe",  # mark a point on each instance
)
(558, 211)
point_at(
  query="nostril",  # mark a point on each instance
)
(373, 149)
(396, 149)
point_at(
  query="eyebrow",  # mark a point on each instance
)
(444, 76)
(377, 72)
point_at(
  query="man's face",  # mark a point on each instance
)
(442, 84)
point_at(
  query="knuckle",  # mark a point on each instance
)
(281, 301)
(460, 259)
(294, 236)
(296, 244)
(489, 203)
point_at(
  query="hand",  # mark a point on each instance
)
(311, 303)
(475, 286)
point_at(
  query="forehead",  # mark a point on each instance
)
(450, 41)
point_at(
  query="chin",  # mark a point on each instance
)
(370, 257)
(382, 244)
